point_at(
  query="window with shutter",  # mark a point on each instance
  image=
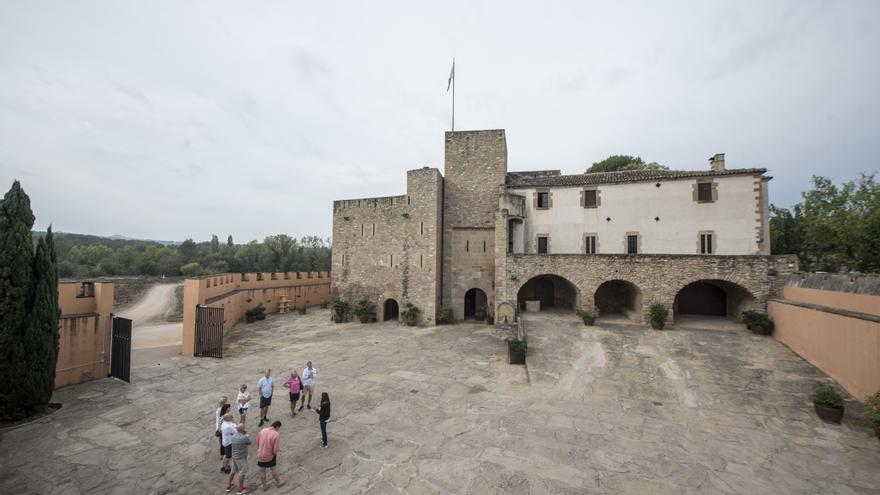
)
(704, 192)
(542, 245)
(590, 198)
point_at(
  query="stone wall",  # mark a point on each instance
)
(658, 278)
(475, 168)
(388, 248)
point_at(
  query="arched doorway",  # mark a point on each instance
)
(391, 310)
(713, 298)
(619, 297)
(474, 301)
(552, 291)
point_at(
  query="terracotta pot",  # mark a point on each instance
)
(829, 414)
(250, 319)
(656, 325)
(760, 330)
(589, 320)
(338, 318)
(364, 318)
(411, 323)
(516, 357)
(261, 316)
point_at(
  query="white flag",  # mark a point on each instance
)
(451, 76)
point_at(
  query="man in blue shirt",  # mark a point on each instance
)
(266, 386)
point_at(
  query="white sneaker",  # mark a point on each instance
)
(323, 446)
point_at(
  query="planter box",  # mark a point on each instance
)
(516, 357)
(829, 414)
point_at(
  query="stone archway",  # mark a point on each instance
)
(552, 291)
(619, 297)
(713, 297)
(390, 310)
(474, 302)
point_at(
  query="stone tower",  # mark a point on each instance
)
(475, 170)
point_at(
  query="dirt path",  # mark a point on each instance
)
(153, 337)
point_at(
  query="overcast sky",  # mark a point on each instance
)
(174, 119)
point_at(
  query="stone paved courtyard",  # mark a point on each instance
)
(606, 409)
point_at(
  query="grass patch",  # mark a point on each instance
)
(177, 314)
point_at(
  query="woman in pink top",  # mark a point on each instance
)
(295, 385)
(268, 442)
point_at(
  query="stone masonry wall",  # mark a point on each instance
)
(388, 248)
(658, 277)
(475, 168)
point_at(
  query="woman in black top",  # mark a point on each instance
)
(324, 416)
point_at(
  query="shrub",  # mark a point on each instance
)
(410, 312)
(872, 409)
(516, 345)
(340, 308)
(444, 316)
(257, 311)
(364, 308)
(757, 322)
(586, 313)
(826, 395)
(659, 313)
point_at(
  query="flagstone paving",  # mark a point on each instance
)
(606, 409)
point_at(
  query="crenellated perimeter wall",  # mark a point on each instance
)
(239, 292)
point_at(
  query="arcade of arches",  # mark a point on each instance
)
(722, 286)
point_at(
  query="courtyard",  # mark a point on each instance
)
(614, 408)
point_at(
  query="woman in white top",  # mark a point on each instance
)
(222, 408)
(243, 402)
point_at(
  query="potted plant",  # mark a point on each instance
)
(516, 351)
(481, 313)
(444, 316)
(659, 314)
(759, 323)
(872, 411)
(410, 314)
(301, 309)
(260, 311)
(363, 309)
(250, 315)
(490, 318)
(588, 315)
(828, 403)
(340, 310)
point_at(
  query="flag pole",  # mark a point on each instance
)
(453, 94)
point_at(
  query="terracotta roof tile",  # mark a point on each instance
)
(520, 180)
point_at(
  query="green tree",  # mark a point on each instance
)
(41, 339)
(188, 250)
(833, 228)
(28, 310)
(16, 282)
(616, 163)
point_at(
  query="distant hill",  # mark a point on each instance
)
(113, 241)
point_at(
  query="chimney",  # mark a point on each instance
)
(716, 163)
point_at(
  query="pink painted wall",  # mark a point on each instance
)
(85, 326)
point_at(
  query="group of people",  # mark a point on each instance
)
(234, 439)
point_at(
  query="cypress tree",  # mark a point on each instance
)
(16, 296)
(41, 341)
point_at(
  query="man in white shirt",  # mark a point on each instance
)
(227, 430)
(244, 402)
(267, 387)
(309, 378)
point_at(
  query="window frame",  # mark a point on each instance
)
(626, 243)
(546, 238)
(591, 243)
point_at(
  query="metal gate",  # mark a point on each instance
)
(120, 349)
(209, 332)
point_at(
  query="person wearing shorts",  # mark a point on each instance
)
(294, 383)
(239, 444)
(227, 430)
(267, 387)
(268, 442)
(243, 402)
(309, 378)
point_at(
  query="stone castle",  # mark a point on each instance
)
(482, 239)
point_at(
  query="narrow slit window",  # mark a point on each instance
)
(391, 260)
(374, 229)
(421, 228)
(421, 262)
(484, 246)
(467, 246)
(362, 230)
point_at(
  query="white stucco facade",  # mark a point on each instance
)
(667, 218)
